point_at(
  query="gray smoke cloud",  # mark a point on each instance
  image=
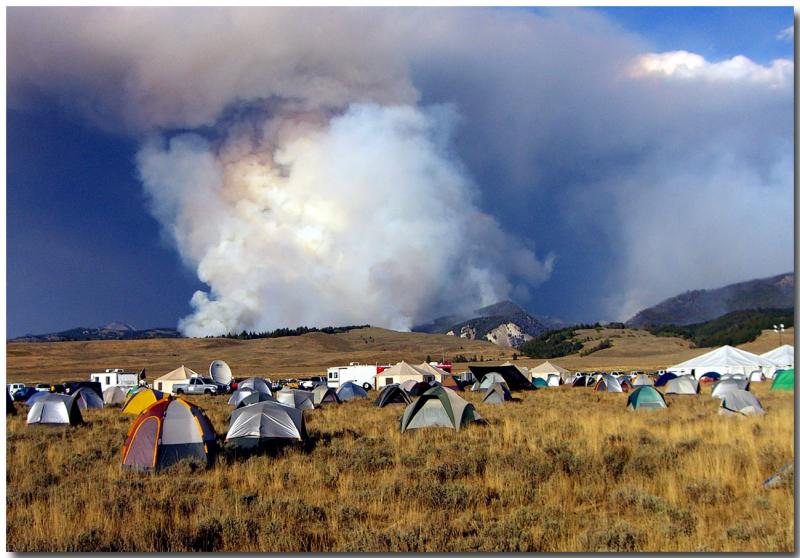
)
(329, 164)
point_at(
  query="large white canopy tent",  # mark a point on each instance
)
(725, 360)
(783, 357)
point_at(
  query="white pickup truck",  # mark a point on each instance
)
(198, 385)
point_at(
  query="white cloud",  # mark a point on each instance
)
(786, 34)
(680, 64)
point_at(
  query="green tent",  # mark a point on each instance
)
(783, 380)
(540, 382)
(439, 407)
(646, 397)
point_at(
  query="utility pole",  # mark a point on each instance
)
(779, 329)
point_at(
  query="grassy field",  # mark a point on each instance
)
(564, 469)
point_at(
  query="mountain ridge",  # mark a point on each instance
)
(696, 306)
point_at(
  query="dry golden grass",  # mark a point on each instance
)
(564, 469)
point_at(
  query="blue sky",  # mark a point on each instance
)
(83, 249)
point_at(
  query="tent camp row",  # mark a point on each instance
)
(732, 360)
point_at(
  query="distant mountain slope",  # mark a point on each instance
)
(504, 324)
(694, 307)
(114, 330)
(733, 328)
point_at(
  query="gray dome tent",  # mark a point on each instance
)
(642, 380)
(724, 387)
(296, 398)
(740, 402)
(392, 394)
(55, 408)
(497, 393)
(252, 398)
(255, 384)
(263, 422)
(682, 385)
(608, 383)
(323, 394)
(237, 396)
(114, 395)
(87, 399)
(349, 390)
(439, 407)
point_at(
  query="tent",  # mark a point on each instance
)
(546, 369)
(427, 368)
(264, 422)
(608, 383)
(24, 394)
(740, 402)
(553, 380)
(296, 398)
(392, 394)
(255, 384)
(579, 381)
(726, 360)
(756, 376)
(252, 398)
(626, 384)
(180, 375)
(664, 378)
(415, 388)
(134, 390)
(349, 390)
(323, 394)
(592, 380)
(87, 398)
(642, 380)
(726, 386)
(782, 357)
(492, 378)
(682, 385)
(710, 377)
(113, 396)
(35, 397)
(167, 432)
(55, 408)
(646, 397)
(497, 393)
(401, 373)
(783, 380)
(237, 396)
(539, 383)
(10, 409)
(449, 381)
(439, 407)
(142, 399)
(512, 376)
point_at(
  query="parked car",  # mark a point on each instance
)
(311, 383)
(44, 387)
(14, 388)
(24, 393)
(198, 385)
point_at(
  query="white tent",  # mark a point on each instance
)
(180, 375)
(783, 357)
(725, 360)
(547, 368)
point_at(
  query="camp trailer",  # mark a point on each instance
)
(360, 374)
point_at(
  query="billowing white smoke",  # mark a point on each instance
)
(308, 222)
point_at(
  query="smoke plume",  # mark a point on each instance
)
(322, 166)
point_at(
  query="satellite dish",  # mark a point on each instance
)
(220, 372)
